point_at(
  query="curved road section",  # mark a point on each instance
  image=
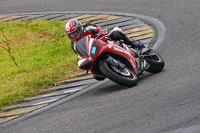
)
(143, 28)
(146, 29)
(167, 102)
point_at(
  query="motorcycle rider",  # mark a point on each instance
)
(75, 31)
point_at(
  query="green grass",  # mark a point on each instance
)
(43, 54)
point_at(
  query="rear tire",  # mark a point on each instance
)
(127, 78)
(155, 61)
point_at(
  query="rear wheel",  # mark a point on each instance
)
(123, 76)
(155, 61)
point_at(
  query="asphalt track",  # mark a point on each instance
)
(167, 102)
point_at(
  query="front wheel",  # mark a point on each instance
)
(124, 76)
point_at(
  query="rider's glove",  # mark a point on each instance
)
(102, 33)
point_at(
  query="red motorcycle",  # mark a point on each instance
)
(117, 61)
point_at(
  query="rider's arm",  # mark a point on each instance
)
(94, 29)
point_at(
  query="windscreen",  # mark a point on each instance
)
(81, 47)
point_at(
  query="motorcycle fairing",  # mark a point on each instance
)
(123, 51)
(91, 49)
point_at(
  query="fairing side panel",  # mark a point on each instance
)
(115, 49)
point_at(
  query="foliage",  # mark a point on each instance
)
(43, 55)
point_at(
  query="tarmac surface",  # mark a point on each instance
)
(167, 102)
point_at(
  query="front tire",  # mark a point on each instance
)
(126, 77)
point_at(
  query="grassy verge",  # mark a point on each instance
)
(43, 55)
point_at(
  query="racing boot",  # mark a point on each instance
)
(137, 44)
(133, 43)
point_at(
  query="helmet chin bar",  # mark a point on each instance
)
(77, 34)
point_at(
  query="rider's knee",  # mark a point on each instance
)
(115, 35)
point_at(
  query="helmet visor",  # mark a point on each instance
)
(77, 33)
(73, 35)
